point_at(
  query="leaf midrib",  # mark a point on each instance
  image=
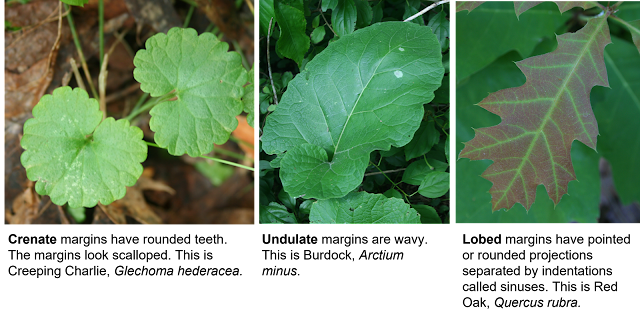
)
(548, 117)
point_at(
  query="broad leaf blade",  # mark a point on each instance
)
(75, 158)
(362, 93)
(208, 82)
(363, 208)
(542, 118)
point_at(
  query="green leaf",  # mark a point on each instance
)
(318, 34)
(393, 193)
(364, 92)
(315, 22)
(215, 171)
(266, 13)
(365, 13)
(634, 28)
(362, 207)
(80, 3)
(78, 214)
(467, 5)
(541, 119)
(428, 214)
(76, 158)
(434, 184)
(208, 82)
(412, 7)
(446, 149)
(343, 17)
(440, 26)
(377, 12)
(293, 42)
(416, 172)
(247, 98)
(477, 44)
(618, 110)
(276, 213)
(329, 5)
(424, 139)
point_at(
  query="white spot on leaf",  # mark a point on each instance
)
(398, 74)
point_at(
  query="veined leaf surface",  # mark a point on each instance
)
(522, 6)
(467, 5)
(541, 119)
(207, 80)
(362, 93)
(76, 158)
(362, 207)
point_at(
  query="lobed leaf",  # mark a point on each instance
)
(541, 119)
(364, 92)
(522, 6)
(76, 158)
(467, 5)
(207, 81)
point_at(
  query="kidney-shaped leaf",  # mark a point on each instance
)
(207, 80)
(362, 93)
(362, 207)
(74, 157)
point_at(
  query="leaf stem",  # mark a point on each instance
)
(210, 158)
(188, 18)
(83, 62)
(395, 185)
(275, 95)
(327, 23)
(383, 172)
(425, 10)
(230, 153)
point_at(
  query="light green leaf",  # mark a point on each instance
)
(215, 171)
(362, 207)
(247, 98)
(80, 3)
(434, 184)
(318, 34)
(78, 214)
(76, 158)
(315, 22)
(208, 82)
(364, 92)
(428, 214)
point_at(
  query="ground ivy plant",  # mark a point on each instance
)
(76, 156)
(361, 101)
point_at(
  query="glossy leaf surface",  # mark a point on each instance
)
(74, 156)
(364, 92)
(207, 80)
(542, 118)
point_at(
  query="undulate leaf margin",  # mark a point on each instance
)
(364, 92)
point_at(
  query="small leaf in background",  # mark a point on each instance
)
(365, 13)
(440, 26)
(315, 22)
(215, 171)
(434, 184)
(416, 172)
(428, 214)
(209, 84)
(318, 34)
(422, 141)
(362, 207)
(377, 12)
(276, 213)
(76, 158)
(293, 42)
(80, 3)
(343, 17)
(542, 118)
(266, 13)
(393, 193)
(412, 7)
(77, 214)
(287, 200)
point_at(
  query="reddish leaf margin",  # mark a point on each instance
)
(540, 120)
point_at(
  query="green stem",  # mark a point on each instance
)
(238, 141)
(395, 185)
(142, 99)
(188, 18)
(211, 158)
(148, 105)
(230, 153)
